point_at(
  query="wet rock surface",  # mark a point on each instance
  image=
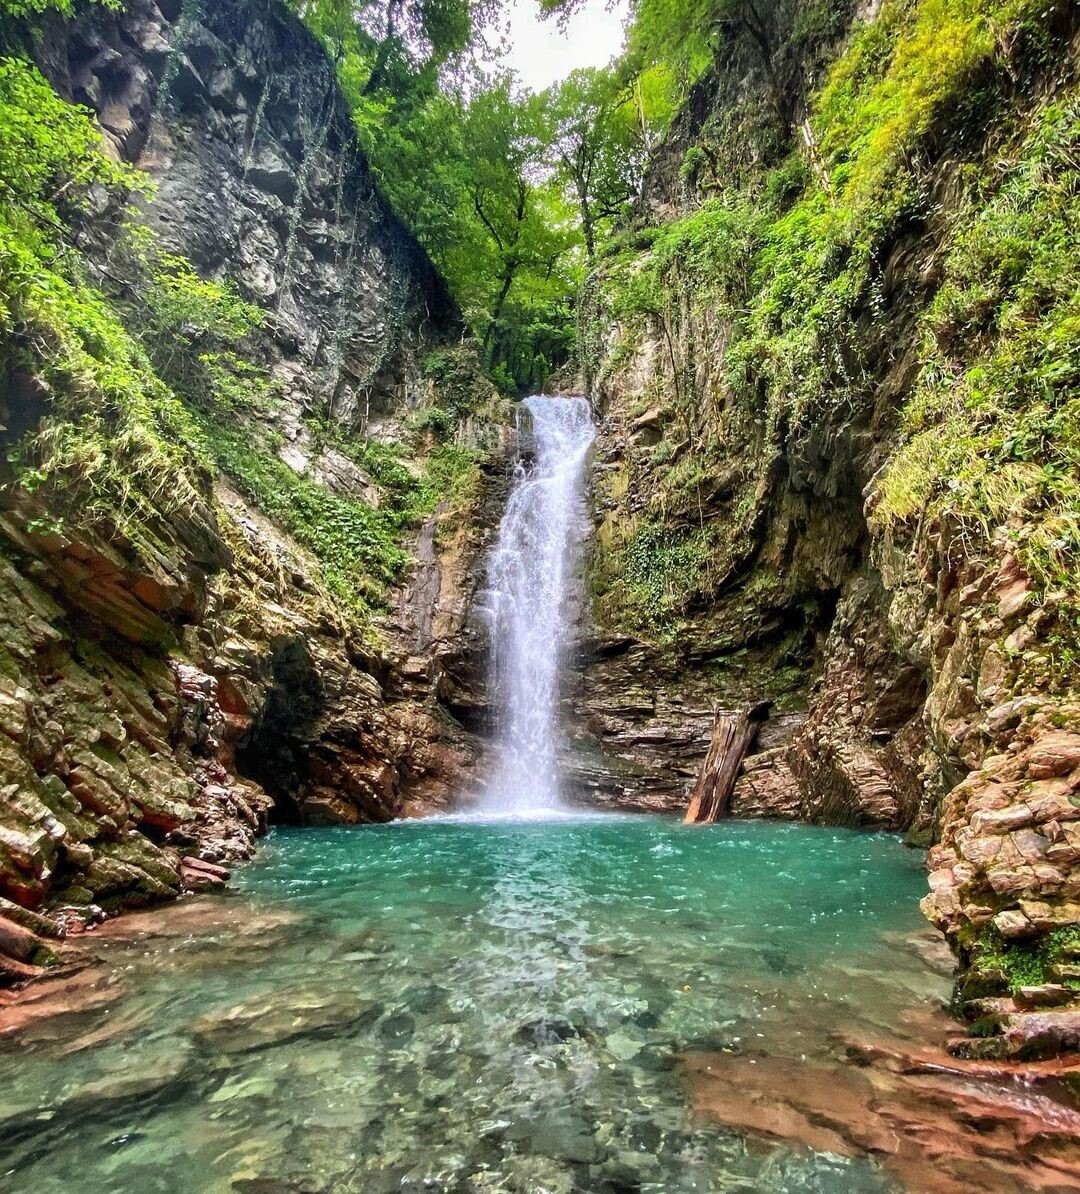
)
(110, 753)
(639, 725)
(287, 1015)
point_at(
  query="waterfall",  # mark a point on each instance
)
(527, 591)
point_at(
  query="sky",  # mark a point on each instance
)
(542, 54)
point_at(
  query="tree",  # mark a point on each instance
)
(598, 146)
(682, 38)
(526, 228)
(465, 160)
(392, 41)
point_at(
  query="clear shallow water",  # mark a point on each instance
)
(460, 1006)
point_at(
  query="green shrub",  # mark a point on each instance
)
(354, 543)
(114, 444)
(994, 422)
(1024, 964)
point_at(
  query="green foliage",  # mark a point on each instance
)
(903, 77)
(793, 260)
(503, 188)
(115, 443)
(1027, 964)
(787, 182)
(994, 422)
(434, 420)
(462, 160)
(598, 147)
(658, 572)
(182, 306)
(455, 481)
(517, 268)
(457, 378)
(195, 331)
(116, 446)
(356, 544)
(788, 259)
(50, 151)
(19, 9)
(677, 34)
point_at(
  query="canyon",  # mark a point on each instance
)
(282, 614)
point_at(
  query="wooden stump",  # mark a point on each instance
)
(732, 737)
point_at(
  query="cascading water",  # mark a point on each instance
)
(528, 590)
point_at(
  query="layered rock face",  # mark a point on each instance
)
(171, 682)
(742, 552)
(235, 112)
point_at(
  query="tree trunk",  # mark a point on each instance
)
(382, 55)
(493, 327)
(732, 736)
(587, 222)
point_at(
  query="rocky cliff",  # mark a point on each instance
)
(206, 526)
(828, 357)
(234, 111)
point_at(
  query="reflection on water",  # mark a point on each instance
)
(468, 1005)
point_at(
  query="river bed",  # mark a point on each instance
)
(499, 1005)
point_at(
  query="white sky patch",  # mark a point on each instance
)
(540, 53)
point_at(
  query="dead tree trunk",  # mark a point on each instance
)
(732, 737)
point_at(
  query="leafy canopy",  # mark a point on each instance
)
(503, 188)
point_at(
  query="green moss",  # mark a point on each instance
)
(454, 475)
(458, 378)
(115, 445)
(135, 421)
(1026, 965)
(25, 8)
(651, 578)
(356, 544)
(994, 422)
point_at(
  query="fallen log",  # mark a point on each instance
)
(733, 735)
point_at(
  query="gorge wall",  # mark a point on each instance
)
(219, 450)
(832, 361)
(251, 466)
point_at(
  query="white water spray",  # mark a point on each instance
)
(528, 584)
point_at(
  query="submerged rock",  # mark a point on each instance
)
(424, 1000)
(281, 1016)
(397, 1030)
(548, 1032)
(936, 1124)
(562, 1136)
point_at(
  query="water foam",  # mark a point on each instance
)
(528, 588)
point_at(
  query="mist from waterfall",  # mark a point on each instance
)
(528, 591)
